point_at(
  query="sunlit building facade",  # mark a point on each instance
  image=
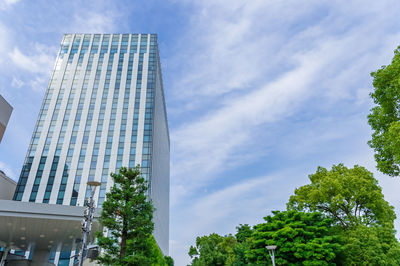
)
(104, 108)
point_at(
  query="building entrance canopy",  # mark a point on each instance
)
(41, 226)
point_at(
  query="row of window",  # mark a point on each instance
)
(148, 123)
(85, 138)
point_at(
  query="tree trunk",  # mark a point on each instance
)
(123, 240)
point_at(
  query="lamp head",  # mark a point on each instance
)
(270, 247)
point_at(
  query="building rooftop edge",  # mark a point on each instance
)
(5, 101)
(2, 174)
(109, 33)
(33, 208)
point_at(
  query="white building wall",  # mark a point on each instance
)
(7, 187)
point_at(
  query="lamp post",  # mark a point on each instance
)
(87, 218)
(271, 251)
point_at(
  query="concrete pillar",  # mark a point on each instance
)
(40, 257)
(28, 251)
(4, 257)
(73, 252)
(57, 255)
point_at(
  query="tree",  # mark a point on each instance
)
(242, 247)
(150, 255)
(384, 118)
(353, 199)
(222, 250)
(127, 214)
(169, 261)
(349, 196)
(363, 245)
(301, 238)
(244, 232)
(213, 250)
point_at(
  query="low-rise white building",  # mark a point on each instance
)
(7, 187)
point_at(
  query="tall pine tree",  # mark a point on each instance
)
(127, 213)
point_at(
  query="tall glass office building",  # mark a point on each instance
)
(104, 108)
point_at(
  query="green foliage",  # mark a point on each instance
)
(364, 245)
(384, 118)
(301, 238)
(341, 218)
(127, 214)
(213, 250)
(149, 256)
(244, 231)
(241, 249)
(169, 261)
(349, 196)
(353, 199)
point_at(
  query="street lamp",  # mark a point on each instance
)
(87, 218)
(271, 251)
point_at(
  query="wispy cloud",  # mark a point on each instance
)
(252, 71)
(5, 4)
(4, 43)
(221, 211)
(94, 22)
(39, 62)
(35, 63)
(322, 67)
(231, 126)
(17, 83)
(35, 68)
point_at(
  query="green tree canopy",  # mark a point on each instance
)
(169, 261)
(127, 214)
(349, 196)
(213, 250)
(376, 245)
(384, 118)
(301, 239)
(244, 232)
(150, 255)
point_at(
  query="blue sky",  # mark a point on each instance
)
(259, 93)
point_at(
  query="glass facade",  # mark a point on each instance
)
(104, 108)
(89, 71)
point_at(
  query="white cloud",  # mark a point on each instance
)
(94, 22)
(5, 4)
(231, 127)
(254, 66)
(4, 42)
(221, 211)
(101, 16)
(40, 62)
(16, 83)
(319, 65)
(38, 84)
(35, 68)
